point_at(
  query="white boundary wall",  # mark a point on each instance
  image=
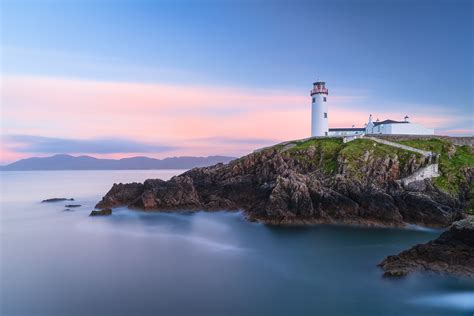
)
(430, 171)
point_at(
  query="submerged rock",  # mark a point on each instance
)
(73, 205)
(56, 200)
(103, 212)
(451, 253)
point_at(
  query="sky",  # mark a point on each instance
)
(117, 79)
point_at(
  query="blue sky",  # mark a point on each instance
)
(415, 57)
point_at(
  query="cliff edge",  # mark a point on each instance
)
(320, 180)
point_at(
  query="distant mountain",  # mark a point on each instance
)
(68, 162)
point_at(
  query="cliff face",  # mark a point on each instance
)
(451, 253)
(311, 181)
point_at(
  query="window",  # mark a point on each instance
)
(325, 115)
(324, 99)
(314, 100)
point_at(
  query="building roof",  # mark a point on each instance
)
(348, 129)
(389, 122)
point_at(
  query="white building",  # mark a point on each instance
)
(404, 127)
(346, 131)
(319, 109)
(319, 120)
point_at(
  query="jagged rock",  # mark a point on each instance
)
(379, 205)
(290, 196)
(179, 192)
(451, 253)
(103, 212)
(121, 194)
(52, 200)
(427, 208)
(418, 186)
(323, 182)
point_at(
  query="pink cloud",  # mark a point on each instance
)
(177, 115)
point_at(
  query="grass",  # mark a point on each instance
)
(330, 143)
(434, 145)
(450, 168)
(354, 153)
(329, 151)
(326, 153)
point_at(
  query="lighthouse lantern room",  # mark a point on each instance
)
(319, 109)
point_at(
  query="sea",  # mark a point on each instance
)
(59, 262)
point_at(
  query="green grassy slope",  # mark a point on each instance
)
(325, 154)
(452, 160)
(328, 151)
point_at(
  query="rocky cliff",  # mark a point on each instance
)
(451, 253)
(309, 181)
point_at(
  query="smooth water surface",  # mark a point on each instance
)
(56, 262)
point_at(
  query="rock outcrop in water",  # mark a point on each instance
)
(52, 200)
(103, 212)
(309, 181)
(451, 253)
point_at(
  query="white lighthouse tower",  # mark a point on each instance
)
(319, 109)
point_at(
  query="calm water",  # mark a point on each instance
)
(55, 262)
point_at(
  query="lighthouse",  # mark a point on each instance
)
(319, 109)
